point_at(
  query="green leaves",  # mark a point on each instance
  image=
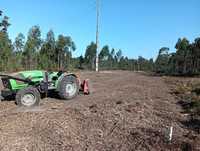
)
(19, 42)
(49, 53)
(90, 55)
(162, 60)
(4, 23)
(5, 43)
(64, 48)
(185, 61)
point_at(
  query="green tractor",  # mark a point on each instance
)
(28, 86)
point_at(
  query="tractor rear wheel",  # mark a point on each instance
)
(69, 87)
(28, 97)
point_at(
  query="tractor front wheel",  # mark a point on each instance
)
(28, 97)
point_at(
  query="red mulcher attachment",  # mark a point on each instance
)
(84, 86)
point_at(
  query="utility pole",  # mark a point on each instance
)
(97, 36)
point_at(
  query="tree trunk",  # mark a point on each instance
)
(58, 62)
(185, 67)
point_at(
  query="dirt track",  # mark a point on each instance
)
(125, 111)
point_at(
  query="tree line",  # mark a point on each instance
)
(112, 59)
(55, 53)
(33, 52)
(184, 61)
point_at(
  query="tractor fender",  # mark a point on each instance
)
(58, 82)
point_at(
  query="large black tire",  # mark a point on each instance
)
(28, 97)
(68, 88)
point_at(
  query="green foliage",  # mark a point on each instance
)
(4, 23)
(34, 53)
(109, 60)
(80, 62)
(105, 58)
(64, 48)
(185, 61)
(47, 58)
(119, 55)
(162, 60)
(5, 44)
(90, 55)
(5, 52)
(145, 64)
(104, 54)
(32, 47)
(56, 53)
(19, 42)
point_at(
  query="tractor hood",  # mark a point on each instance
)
(33, 74)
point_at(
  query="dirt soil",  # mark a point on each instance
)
(125, 111)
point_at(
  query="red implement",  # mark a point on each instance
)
(85, 87)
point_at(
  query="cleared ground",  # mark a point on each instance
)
(125, 111)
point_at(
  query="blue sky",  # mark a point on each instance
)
(138, 27)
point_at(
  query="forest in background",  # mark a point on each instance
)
(55, 53)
